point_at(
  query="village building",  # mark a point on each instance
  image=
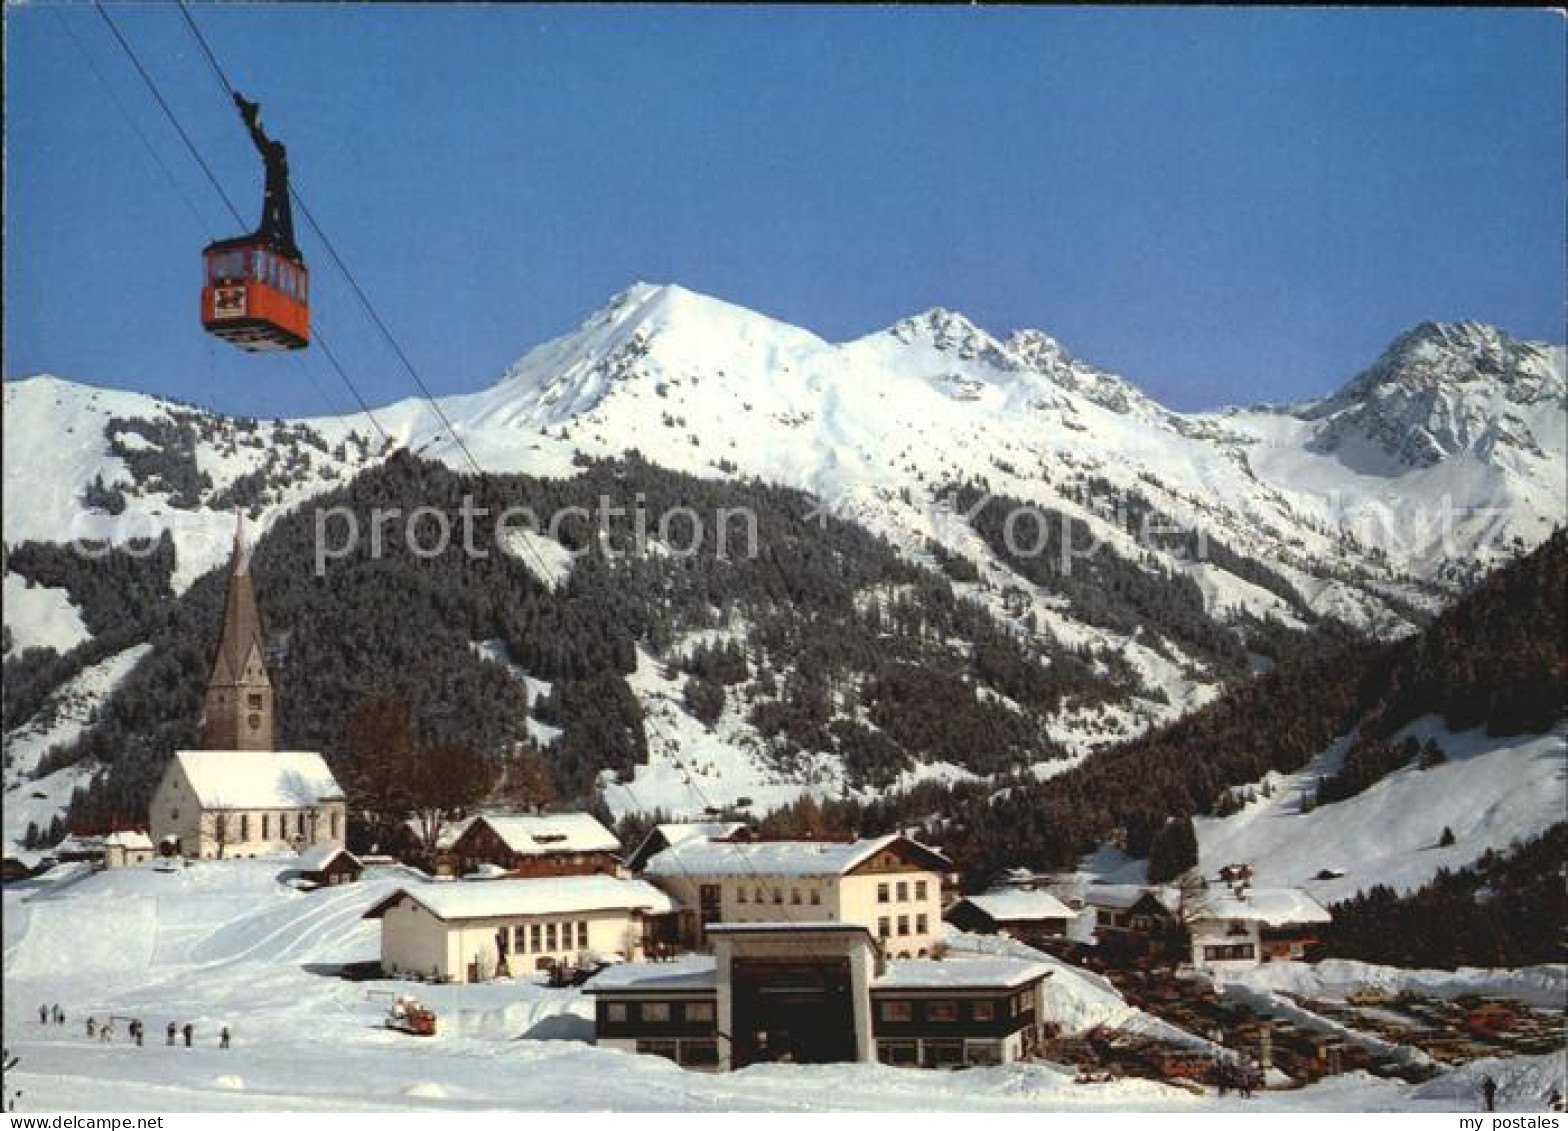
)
(126, 847)
(890, 885)
(671, 833)
(475, 930)
(21, 864)
(1133, 921)
(213, 804)
(329, 865)
(238, 796)
(1236, 929)
(79, 848)
(819, 992)
(546, 844)
(1031, 915)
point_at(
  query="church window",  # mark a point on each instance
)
(334, 824)
(266, 826)
(253, 700)
(253, 721)
(533, 937)
(244, 826)
(582, 934)
(549, 936)
(174, 814)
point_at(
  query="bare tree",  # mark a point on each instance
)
(444, 780)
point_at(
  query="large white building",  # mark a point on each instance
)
(474, 930)
(212, 804)
(891, 885)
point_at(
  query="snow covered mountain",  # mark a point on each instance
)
(1369, 507)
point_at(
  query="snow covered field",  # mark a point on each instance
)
(233, 943)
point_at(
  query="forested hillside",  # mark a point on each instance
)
(1496, 658)
(837, 643)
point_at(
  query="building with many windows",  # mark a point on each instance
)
(817, 993)
(474, 930)
(890, 885)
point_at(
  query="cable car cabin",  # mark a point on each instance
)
(255, 297)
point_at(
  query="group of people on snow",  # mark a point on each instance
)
(173, 1033)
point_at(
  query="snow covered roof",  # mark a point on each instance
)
(1008, 905)
(677, 832)
(959, 973)
(448, 835)
(258, 779)
(1275, 907)
(132, 840)
(1122, 896)
(699, 857)
(547, 833)
(688, 972)
(317, 858)
(550, 895)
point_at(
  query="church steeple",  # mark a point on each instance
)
(237, 714)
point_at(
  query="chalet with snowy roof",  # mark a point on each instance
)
(1131, 920)
(329, 865)
(474, 930)
(239, 797)
(24, 865)
(819, 992)
(890, 885)
(126, 847)
(1242, 927)
(546, 844)
(672, 833)
(1029, 914)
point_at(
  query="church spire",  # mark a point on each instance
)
(237, 714)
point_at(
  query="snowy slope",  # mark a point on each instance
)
(30, 800)
(1491, 792)
(233, 943)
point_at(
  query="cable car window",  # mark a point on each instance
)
(228, 265)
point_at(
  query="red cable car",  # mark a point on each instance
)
(256, 291)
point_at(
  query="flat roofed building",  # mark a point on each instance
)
(891, 885)
(819, 993)
(474, 930)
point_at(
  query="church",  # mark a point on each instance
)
(237, 796)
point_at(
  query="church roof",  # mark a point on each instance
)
(241, 622)
(258, 779)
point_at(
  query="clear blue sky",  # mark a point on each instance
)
(1226, 206)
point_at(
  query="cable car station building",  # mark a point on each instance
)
(816, 993)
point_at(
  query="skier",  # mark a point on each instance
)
(106, 1033)
(1489, 1093)
(136, 1032)
(223, 1038)
(92, 1028)
(59, 1015)
(43, 1015)
(169, 1032)
(188, 1030)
